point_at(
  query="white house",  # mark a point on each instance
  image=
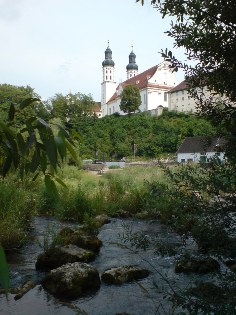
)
(153, 84)
(201, 149)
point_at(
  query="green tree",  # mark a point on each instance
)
(72, 108)
(130, 99)
(10, 94)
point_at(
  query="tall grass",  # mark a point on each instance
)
(89, 194)
(18, 202)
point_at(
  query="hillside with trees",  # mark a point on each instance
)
(112, 136)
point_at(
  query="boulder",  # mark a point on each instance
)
(71, 281)
(197, 265)
(79, 238)
(123, 214)
(59, 255)
(124, 274)
(102, 219)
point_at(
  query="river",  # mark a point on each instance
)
(137, 298)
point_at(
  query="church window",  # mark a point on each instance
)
(109, 111)
(110, 71)
(183, 98)
(130, 75)
(110, 77)
(165, 96)
(106, 77)
(144, 98)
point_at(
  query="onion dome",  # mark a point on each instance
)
(108, 57)
(132, 63)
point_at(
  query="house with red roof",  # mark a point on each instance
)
(153, 85)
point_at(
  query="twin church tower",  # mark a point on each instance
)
(109, 84)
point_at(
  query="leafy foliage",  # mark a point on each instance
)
(33, 147)
(130, 99)
(11, 95)
(198, 201)
(112, 136)
(72, 108)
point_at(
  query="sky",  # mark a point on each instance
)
(57, 46)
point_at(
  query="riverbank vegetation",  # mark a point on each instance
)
(117, 192)
(193, 200)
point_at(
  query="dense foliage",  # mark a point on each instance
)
(130, 99)
(72, 108)
(112, 136)
(13, 95)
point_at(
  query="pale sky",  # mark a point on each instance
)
(57, 46)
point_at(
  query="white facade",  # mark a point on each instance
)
(164, 75)
(131, 73)
(181, 101)
(107, 88)
(201, 149)
(199, 157)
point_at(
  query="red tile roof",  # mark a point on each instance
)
(141, 81)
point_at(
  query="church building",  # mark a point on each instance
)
(153, 85)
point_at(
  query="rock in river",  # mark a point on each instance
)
(124, 274)
(102, 219)
(79, 238)
(197, 265)
(59, 255)
(71, 281)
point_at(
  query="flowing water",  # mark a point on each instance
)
(137, 298)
